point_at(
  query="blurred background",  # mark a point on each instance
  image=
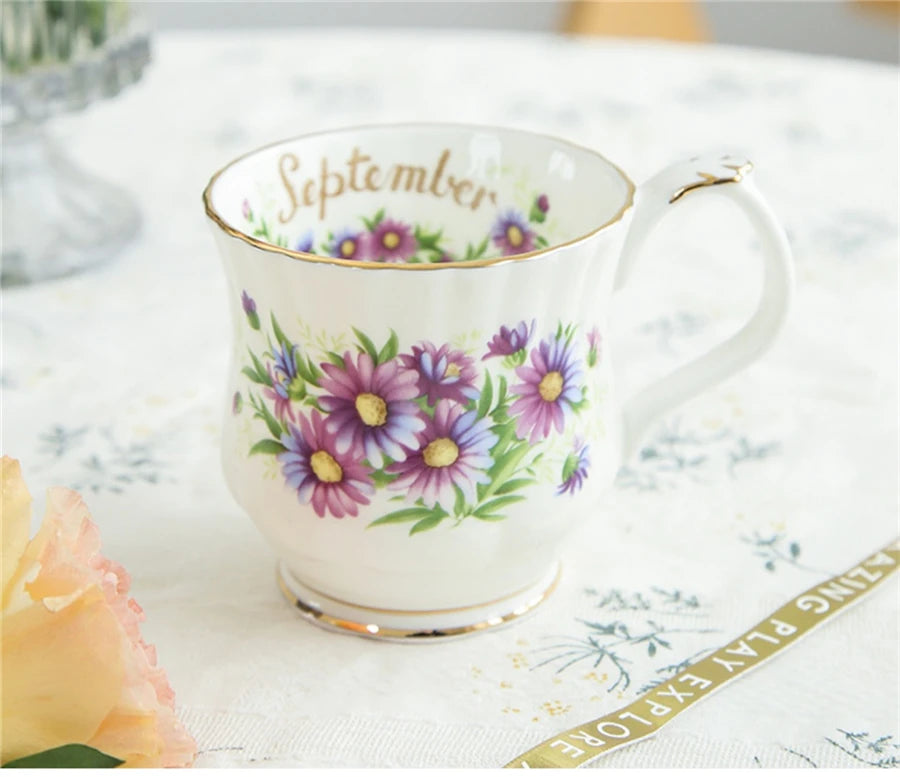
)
(865, 29)
(61, 56)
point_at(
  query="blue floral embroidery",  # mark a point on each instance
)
(667, 329)
(776, 549)
(674, 456)
(619, 641)
(883, 751)
(848, 234)
(95, 460)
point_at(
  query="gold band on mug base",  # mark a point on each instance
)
(374, 622)
(650, 712)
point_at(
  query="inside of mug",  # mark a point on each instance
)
(419, 194)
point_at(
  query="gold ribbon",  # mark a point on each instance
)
(650, 712)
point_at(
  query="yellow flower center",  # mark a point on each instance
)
(326, 469)
(452, 370)
(372, 409)
(551, 386)
(391, 240)
(441, 452)
(348, 247)
(514, 235)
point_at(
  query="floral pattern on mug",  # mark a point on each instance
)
(391, 240)
(314, 466)
(448, 434)
(550, 388)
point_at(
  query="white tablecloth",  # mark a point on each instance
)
(113, 383)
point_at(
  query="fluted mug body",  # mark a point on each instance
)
(421, 397)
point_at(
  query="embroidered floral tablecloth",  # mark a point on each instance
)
(113, 383)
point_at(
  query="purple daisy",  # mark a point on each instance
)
(348, 244)
(246, 210)
(312, 465)
(392, 241)
(551, 386)
(575, 468)
(593, 339)
(509, 341)
(511, 233)
(304, 243)
(443, 373)
(453, 450)
(370, 408)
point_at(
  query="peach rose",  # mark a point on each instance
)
(75, 669)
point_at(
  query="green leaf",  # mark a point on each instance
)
(380, 478)
(489, 517)
(505, 433)
(372, 223)
(501, 394)
(303, 369)
(403, 516)
(541, 241)
(66, 757)
(311, 401)
(313, 371)
(260, 370)
(274, 426)
(504, 466)
(490, 508)
(390, 349)
(337, 361)
(483, 246)
(513, 485)
(504, 460)
(279, 335)
(427, 523)
(459, 504)
(367, 344)
(487, 396)
(268, 447)
(255, 377)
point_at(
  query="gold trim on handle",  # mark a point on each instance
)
(739, 171)
(216, 217)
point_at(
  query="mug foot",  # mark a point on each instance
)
(412, 625)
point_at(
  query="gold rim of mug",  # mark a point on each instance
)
(213, 214)
(376, 631)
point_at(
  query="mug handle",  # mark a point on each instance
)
(728, 177)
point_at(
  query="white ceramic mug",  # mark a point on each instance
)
(421, 395)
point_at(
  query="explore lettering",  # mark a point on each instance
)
(644, 716)
(360, 174)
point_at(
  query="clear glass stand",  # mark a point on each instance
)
(58, 219)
